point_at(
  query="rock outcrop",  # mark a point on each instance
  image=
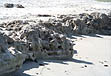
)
(11, 59)
(45, 39)
(19, 6)
(94, 23)
(26, 40)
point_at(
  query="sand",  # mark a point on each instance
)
(92, 58)
(93, 53)
(51, 7)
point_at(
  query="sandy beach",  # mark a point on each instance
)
(93, 58)
(92, 53)
(35, 7)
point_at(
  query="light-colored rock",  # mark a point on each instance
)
(45, 39)
(10, 59)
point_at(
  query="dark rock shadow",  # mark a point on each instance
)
(26, 66)
(81, 61)
(75, 52)
(95, 35)
(85, 36)
(65, 62)
(30, 64)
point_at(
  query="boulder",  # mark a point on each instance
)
(10, 59)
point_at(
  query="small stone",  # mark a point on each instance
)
(105, 61)
(19, 6)
(48, 69)
(8, 5)
(106, 65)
(85, 65)
(37, 73)
(41, 64)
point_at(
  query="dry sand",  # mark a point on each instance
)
(51, 7)
(93, 58)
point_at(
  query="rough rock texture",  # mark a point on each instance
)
(38, 41)
(94, 23)
(10, 58)
(84, 24)
(30, 40)
(45, 39)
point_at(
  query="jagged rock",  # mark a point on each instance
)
(92, 23)
(38, 39)
(10, 59)
(46, 43)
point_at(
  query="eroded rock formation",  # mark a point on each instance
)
(45, 39)
(11, 59)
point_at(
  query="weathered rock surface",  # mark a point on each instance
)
(45, 39)
(10, 58)
(85, 24)
(30, 40)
